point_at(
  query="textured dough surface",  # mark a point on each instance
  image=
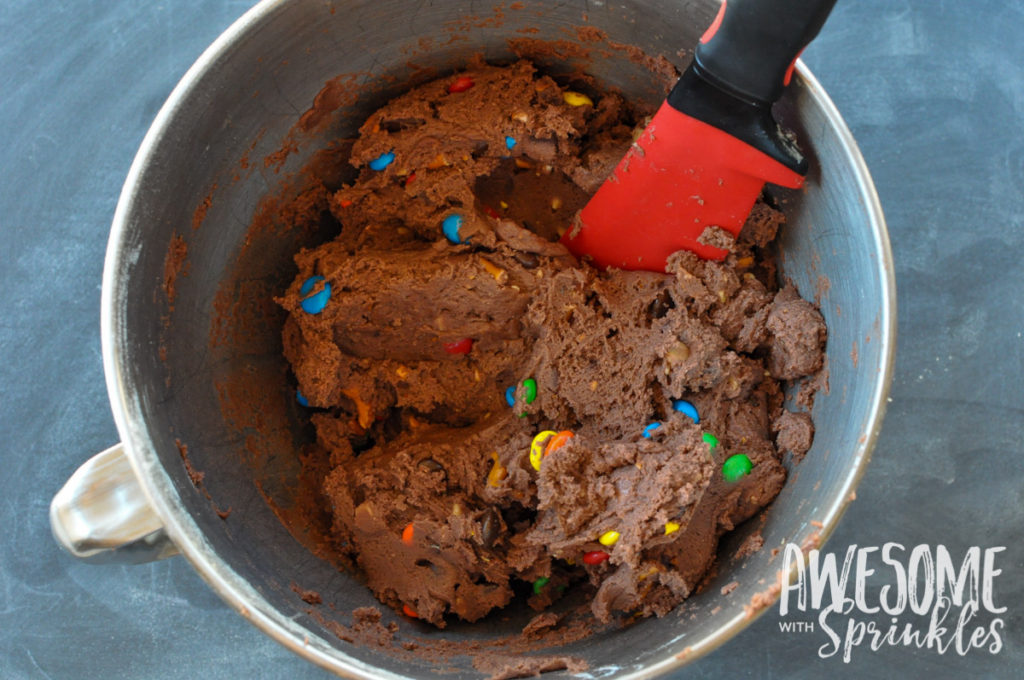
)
(431, 487)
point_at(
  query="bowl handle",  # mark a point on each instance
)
(101, 515)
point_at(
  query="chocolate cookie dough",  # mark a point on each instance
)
(503, 420)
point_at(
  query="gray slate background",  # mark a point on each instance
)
(933, 90)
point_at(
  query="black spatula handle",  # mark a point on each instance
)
(750, 49)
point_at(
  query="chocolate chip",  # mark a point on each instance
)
(490, 527)
(431, 465)
(361, 442)
(393, 425)
(528, 260)
(429, 565)
(399, 124)
(661, 305)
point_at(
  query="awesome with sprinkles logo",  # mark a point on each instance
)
(894, 597)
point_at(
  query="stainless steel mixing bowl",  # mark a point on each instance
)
(185, 218)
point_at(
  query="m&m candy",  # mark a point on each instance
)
(736, 467)
(710, 439)
(494, 270)
(510, 142)
(382, 161)
(539, 584)
(463, 346)
(530, 387)
(450, 228)
(301, 398)
(497, 473)
(529, 393)
(609, 538)
(686, 408)
(557, 442)
(537, 447)
(490, 527)
(671, 528)
(649, 429)
(460, 84)
(577, 99)
(595, 557)
(314, 303)
(545, 443)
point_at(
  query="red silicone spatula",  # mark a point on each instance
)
(707, 153)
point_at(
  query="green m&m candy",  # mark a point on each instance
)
(539, 584)
(530, 387)
(736, 466)
(711, 440)
(529, 394)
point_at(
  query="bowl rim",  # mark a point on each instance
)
(185, 533)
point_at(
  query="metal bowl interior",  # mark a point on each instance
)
(195, 188)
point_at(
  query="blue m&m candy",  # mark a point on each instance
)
(315, 303)
(382, 161)
(301, 398)
(649, 429)
(529, 389)
(510, 143)
(450, 228)
(686, 408)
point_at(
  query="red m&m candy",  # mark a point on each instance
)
(462, 346)
(461, 84)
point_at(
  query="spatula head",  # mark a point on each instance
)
(683, 185)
